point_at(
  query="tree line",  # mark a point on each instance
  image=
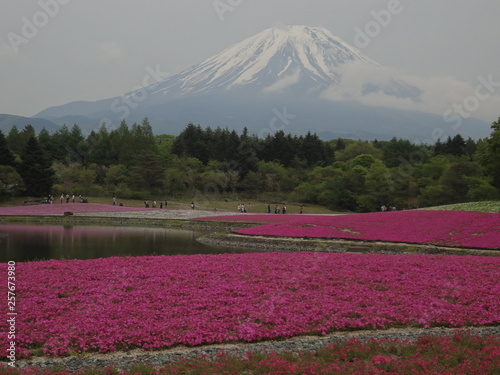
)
(343, 174)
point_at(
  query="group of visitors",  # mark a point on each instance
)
(277, 209)
(66, 198)
(243, 209)
(153, 204)
(385, 208)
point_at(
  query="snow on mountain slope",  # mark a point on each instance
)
(329, 87)
(299, 61)
(274, 59)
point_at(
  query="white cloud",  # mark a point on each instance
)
(110, 51)
(284, 82)
(443, 96)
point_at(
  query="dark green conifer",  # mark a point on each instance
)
(6, 156)
(36, 170)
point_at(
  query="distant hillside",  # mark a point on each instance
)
(7, 121)
(86, 124)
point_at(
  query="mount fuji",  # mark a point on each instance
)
(279, 79)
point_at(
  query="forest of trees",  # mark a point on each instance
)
(342, 174)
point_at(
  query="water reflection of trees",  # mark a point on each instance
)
(39, 242)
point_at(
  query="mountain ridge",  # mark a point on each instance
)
(315, 49)
(7, 121)
(291, 66)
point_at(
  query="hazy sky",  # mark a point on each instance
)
(56, 51)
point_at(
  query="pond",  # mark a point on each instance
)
(21, 243)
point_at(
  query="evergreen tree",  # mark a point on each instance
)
(99, 148)
(470, 147)
(142, 137)
(75, 149)
(6, 156)
(219, 147)
(490, 158)
(457, 146)
(27, 133)
(147, 170)
(399, 151)
(339, 144)
(439, 148)
(312, 149)
(15, 141)
(247, 153)
(36, 170)
(120, 145)
(232, 144)
(60, 142)
(46, 144)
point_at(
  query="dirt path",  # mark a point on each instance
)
(122, 360)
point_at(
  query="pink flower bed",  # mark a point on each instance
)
(59, 209)
(447, 228)
(158, 302)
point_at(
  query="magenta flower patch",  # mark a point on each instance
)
(111, 304)
(446, 228)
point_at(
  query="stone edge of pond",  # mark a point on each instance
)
(122, 360)
(121, 221)
(279, 244)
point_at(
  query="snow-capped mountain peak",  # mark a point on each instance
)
(272, 60)
(324, 83)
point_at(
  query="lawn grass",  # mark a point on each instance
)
(258, 204)
(221, 203)
(486, 206)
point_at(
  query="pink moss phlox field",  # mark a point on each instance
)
(111, 304)
(59, 209)
(445, 228)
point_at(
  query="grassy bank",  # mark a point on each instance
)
(227, 203)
